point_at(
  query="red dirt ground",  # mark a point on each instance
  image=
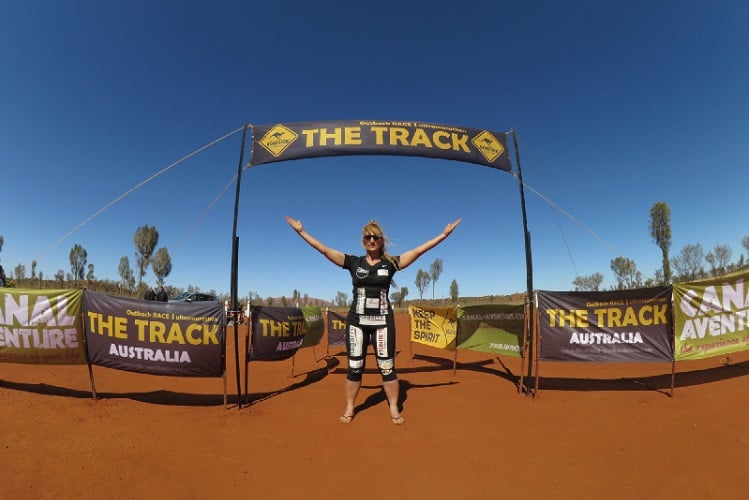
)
(593, 431)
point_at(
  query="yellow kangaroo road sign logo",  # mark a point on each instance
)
(277, 139)
(488, 145)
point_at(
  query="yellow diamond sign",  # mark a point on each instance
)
(488, 145)
(277, 139)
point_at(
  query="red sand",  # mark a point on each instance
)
(597, 430)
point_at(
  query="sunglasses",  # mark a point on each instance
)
(368, 237)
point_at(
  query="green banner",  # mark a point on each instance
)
(315, 326)
(496, 329)
(711, 317)
(41, 327)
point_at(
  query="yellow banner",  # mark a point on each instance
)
(711, 317)
(434, 326)
(41, 327)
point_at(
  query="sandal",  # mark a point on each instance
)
(399, 420)
(345, 419)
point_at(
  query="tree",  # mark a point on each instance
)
(723, 255)
(60, 276)
(689, 262)
(340, 300)
(435, 270)
(33, 269)
(454, 291)
(2, 242)
(626, 273)
(719, 259)
(161, 265)
(399, 297)
(590, 283)
(659, 277)
(254, 298)
(78, 257)
(20, 272)
(422, 282)
(145, 239)
(660, 231)
(744, 243)
(90, 273)
(404, 292)
(127, 280)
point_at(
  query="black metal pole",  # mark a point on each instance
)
(233, 301)
(528, 259)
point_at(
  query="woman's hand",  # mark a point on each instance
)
(451, 227)
(296, 225)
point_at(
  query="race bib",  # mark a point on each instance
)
(372, 320)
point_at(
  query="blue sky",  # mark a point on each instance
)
(617, 105)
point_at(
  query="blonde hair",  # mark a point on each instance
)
(372, 227)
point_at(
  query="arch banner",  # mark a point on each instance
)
(291, 141)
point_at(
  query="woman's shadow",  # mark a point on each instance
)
(404, 388)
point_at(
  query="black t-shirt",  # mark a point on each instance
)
(371, 284)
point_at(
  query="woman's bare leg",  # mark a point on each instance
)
(351, 389)
(392, 391)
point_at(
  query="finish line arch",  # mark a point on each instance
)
(292, 141)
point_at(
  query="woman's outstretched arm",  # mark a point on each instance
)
(408, 258)
(331, 254)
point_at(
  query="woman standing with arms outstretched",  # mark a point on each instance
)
(370, 319)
